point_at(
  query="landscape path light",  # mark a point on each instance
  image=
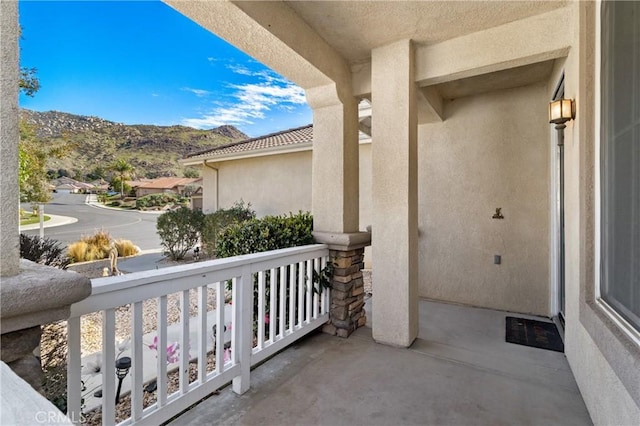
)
(123, 365)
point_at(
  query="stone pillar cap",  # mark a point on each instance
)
(39, 295)
(343, 241)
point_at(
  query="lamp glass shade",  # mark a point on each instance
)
(560, 111)
(122, 366)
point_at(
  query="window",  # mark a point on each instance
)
(620, 156)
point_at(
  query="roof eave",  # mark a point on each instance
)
(286, 149)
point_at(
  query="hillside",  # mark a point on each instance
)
(95, 143)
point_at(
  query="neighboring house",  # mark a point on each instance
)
(271, 172)
(164, 185)
(67, 185)
(460, 128)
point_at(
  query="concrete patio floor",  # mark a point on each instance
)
(460, 371)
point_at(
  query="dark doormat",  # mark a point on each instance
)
(538, 334)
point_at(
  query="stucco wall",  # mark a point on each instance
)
(491, 151)
(274, 184)
(9, 255)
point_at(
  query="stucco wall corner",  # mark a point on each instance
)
(9, 193)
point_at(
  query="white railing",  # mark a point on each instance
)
(286, 309)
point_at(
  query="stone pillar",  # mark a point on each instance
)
(335, 201)
(395, 196)
(17, 352)
(347, 293)
(9, 191)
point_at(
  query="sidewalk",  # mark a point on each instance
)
(92, 200)
(54, 221)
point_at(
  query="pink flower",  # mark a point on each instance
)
(154, 345)
(172, 352)
(266, 318)
(227, 355)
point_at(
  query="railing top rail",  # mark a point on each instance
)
(111, 292)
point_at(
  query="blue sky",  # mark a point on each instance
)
(141, 62)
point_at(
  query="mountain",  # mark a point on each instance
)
(95, 143)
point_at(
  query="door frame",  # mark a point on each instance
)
(557, 249)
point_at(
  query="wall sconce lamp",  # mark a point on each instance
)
(561, 111)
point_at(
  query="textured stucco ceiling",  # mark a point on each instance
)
(353, 28)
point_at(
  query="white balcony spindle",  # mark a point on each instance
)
(74, 369)
(108, 367)
(282, 299)
(261, 291)
(220, 328)
(203, 334)
(292, 297)
(325, 291)
(309, 290)
(184, 341)
(162, 351)
(136, 362)
(315, 287)
(300, 294)
(273, 317)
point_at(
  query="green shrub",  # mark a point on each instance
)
(179, 230)
(160, 200)
(43, 250)
(267, 233)
(215, 223)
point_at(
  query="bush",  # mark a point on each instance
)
(216, 222)
(267, 233)
(97, 246)
(43, 250)
(126, 248)
(179, 230)
(160, 200)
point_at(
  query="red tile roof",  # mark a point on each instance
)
(287, 137)
(168, 182)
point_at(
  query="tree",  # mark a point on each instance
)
(28, 83)
(32, 165)
(190, 172)
(124, 170)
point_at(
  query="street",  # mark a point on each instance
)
(136, 226)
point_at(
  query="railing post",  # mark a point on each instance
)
(243, 329)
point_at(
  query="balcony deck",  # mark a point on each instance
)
(459, 371)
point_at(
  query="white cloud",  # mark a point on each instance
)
(198, 92)
(251, 101)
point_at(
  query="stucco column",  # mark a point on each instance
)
(395, 196)
(334, 197)
(9, 191)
